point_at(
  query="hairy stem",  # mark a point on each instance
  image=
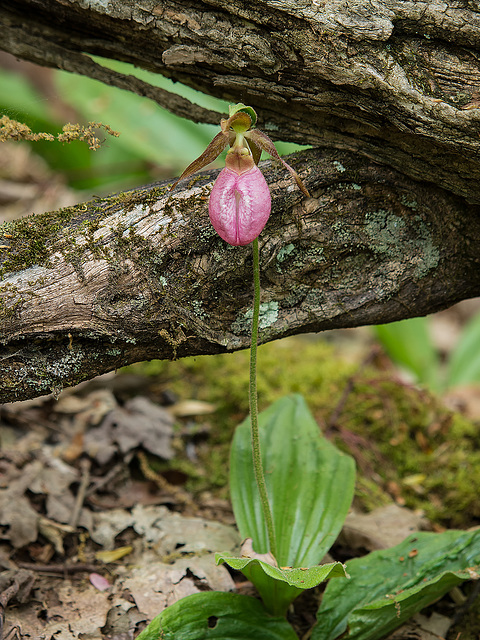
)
(257, 456)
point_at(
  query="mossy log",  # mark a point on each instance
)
(87, 289)
(388, 92)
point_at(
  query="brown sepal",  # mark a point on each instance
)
(211, 153)
(255, 149)
(263, 141)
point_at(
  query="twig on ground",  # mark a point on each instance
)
(101, 482)
(58, 568)
(335, 415)
(81, 493)
(179, 494)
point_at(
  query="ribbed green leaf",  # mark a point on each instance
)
(309, 482)
(214, 615)
(277, 597)
(388, 587)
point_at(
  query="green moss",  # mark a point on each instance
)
(9, 301)
(29, 239)
(128, 200)
(407, 445)
(192, 182)
(425, 454)
(223, 380)
(370, 493)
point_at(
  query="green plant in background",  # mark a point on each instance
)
(142, 153)
(124, 162)
(291, 490)
(409, 343)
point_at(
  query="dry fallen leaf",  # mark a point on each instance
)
(74, 612)
(247, 551)
(139, 423)
(466, 399)
(382, 528)
(114, 554)
(421, 627)
(22, 520)
(164, 531)
(156, 585)
(186, 408)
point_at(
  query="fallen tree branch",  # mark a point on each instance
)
(90, 288)
(395, 80)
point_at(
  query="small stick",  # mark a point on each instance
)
(335, 415)
(100, 483)
(58, 568)
(162, 483)
(81, 493)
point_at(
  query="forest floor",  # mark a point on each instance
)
(114, 496)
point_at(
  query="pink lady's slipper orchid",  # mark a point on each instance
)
(240, 202)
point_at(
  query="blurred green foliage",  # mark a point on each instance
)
(410, 345)
(153, 144)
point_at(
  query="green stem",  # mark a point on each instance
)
(257, 456)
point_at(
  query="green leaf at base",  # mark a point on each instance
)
(279, 586)
(217, 615)
(388, 587)
(309, 483)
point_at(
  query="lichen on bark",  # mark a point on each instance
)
(141, 275)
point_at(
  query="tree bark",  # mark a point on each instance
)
(395, 80)
(137, 276)
(388, 92)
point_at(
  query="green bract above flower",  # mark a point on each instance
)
(238, 133)
(239, 204)
(235, 108)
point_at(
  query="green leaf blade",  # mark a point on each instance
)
(410, 345)
(216, 615)
(464, 365)
(277, 597)
(309, 482)
(388, 587)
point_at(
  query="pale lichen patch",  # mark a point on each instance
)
(284, 252)
(389, 234)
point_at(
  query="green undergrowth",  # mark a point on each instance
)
(407, 445)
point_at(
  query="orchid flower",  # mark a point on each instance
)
(240, 202)
(239, 208)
